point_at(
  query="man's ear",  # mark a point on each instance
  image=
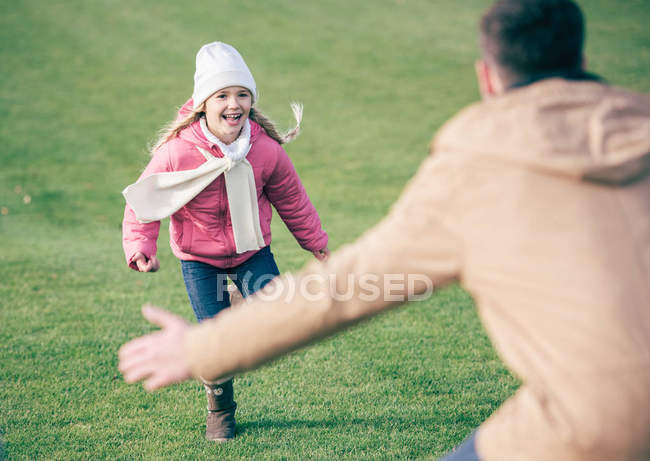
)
(489, 82)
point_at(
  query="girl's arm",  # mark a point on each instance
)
(139, 239)
(139, 242)
(287, 194)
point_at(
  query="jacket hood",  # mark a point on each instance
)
(194, 134)
(583, 129)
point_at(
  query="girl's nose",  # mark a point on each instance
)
(232, 102)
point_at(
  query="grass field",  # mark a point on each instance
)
(85, 85)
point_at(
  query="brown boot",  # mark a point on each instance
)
(220, 424)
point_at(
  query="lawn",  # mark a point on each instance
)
(84, 87)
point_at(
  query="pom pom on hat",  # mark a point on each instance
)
(219, 65)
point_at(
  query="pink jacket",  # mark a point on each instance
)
(202, 230)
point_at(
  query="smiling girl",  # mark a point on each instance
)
(216, 170)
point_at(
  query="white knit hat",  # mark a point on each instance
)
(218, 66)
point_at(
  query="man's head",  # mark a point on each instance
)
(524, 38)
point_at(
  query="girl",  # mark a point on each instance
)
(216, 171)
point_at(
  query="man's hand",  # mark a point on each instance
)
(157, 358)
(146, 265)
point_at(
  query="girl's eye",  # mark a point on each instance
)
(243, 95)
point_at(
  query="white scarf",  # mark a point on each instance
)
(162, 194)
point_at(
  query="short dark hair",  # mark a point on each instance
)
(528, 37)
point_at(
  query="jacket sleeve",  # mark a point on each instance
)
(137, 236)
(287, 194)
(414, 250)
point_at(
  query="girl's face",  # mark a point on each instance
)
(226, 111)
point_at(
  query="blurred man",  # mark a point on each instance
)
(538, 201)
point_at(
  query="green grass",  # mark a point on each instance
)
(85, 85)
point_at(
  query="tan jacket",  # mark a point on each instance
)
(538, 202)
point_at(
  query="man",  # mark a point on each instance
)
(538, 201)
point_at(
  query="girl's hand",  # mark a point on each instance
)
(322, 255)
(157, 358)
(146, 265)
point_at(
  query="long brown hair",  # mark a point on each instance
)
(173, 128)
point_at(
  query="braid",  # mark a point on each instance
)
(271, 129)
(263, 121)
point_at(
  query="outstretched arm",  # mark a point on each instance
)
(413, 250)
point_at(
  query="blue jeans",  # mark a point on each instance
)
(207, 285)
(466, 451)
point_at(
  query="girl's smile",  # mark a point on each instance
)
(226, 111)
(232, 119)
